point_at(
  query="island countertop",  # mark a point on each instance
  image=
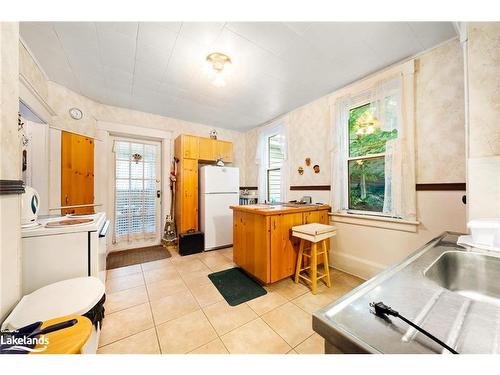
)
(276, 209)
(263, 244)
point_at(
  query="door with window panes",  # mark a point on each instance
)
(136, 193)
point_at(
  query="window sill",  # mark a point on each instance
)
(375, 221)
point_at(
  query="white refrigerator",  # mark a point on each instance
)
(219, 189)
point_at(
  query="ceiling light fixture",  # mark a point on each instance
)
(219, 66)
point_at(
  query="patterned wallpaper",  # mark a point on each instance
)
(440, 138)
(439, 115)
(484, 89)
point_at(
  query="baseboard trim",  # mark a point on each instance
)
(362, 268)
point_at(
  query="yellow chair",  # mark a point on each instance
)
(317, 234)
(69, 340)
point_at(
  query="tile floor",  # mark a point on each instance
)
(170, 306)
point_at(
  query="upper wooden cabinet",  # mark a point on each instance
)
(204, 149)
(224, 151)
(208, 149)
(187, 147)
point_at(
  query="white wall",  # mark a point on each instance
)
(364, 251)
(10, 169)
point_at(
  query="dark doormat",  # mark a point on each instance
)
(130, 257)
(235, 286)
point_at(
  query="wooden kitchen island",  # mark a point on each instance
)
(262, 239)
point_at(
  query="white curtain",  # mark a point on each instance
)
(339, 153)
(261, 157)
(389, 107)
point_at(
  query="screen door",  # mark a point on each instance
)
(137, 193)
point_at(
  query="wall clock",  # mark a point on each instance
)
(76, 113)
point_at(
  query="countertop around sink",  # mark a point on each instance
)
(466, 324)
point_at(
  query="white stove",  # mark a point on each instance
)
(98, 220)
(61, 248)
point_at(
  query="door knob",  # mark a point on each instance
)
(158, 193)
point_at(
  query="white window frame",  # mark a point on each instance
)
(278, 127)
(267, 169)
(370, 218)
(349, 158)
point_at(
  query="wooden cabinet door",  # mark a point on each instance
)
(284, 247)
(323, 217)
(257, 245)
(208, 149)
(251, 244)
(225, 151)
(190, 146)
(311, 217)
(189, 199)
(77, 172)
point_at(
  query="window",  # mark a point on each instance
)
(275, 159)
(366, 157)
(373, 150)
(136, 204)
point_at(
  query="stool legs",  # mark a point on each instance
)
(299, 261)
(325, 263)
(314, 267)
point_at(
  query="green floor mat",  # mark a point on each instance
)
(235, 286)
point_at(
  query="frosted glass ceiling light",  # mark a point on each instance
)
(219, 66)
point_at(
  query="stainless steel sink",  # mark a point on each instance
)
(452, 291)
(473, 275)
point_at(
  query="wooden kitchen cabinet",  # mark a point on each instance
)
(186, 210)
(208, 149)
(190, 150)
(316, 217)
(77, 173)
(213, 149)
(262, 239)
(284, 247)
(224, 151)
(250, 235)
(188, 146)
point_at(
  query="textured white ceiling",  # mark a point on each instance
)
(278, 66)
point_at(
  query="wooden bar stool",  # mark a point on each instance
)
(317, 234)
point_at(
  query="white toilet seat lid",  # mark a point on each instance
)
(73, 296)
